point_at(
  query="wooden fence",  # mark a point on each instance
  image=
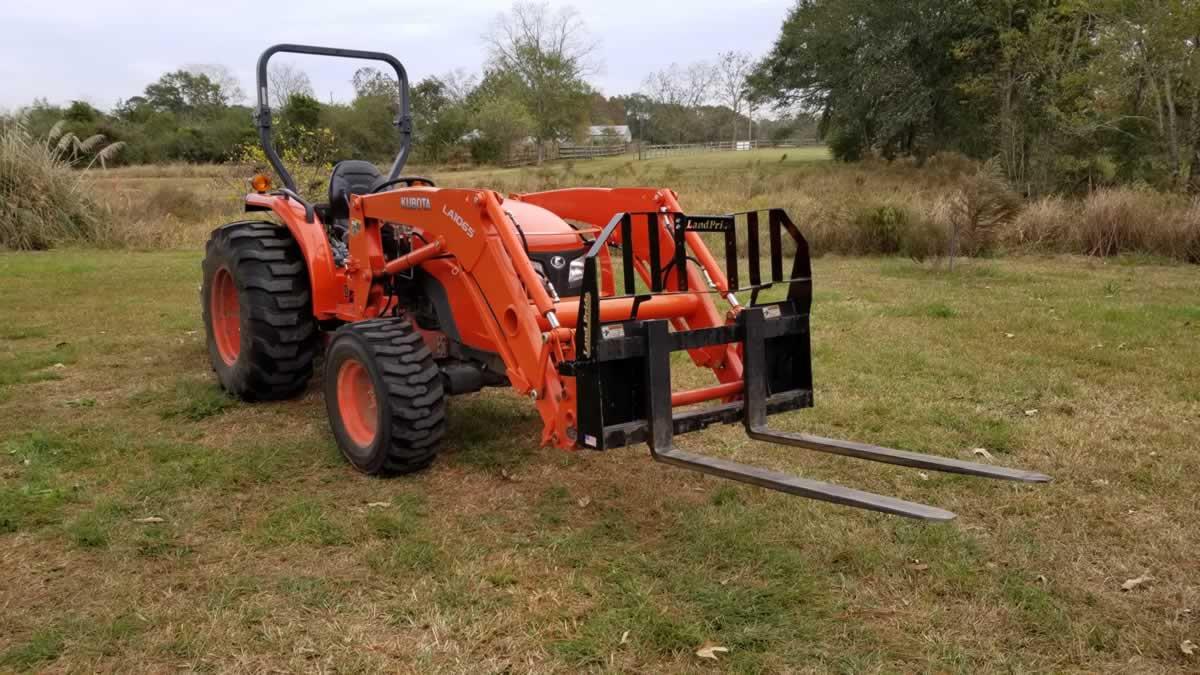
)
(528, 155)
(652, 151)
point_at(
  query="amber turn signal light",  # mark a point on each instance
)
(261, 183)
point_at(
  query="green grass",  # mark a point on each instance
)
(302, 522)
(189, 400)
(41, 647)
(507, 556)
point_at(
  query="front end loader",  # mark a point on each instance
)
(575, 298)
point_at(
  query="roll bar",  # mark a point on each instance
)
(262, 112)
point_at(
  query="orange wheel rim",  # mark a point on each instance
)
(356, 402)
(226, 318)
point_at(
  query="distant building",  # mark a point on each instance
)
(610, 133)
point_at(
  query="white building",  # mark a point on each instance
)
(607, 133)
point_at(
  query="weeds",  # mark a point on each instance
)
(951, 205)
(1112, 222)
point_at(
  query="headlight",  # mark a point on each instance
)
(575, 275)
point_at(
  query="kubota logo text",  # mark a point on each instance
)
(459, 220)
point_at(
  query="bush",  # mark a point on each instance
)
(878, 230)
(980, 206)
(43, 198)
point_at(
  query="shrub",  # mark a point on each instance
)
(44, 200)
(977, 209)
(878, 229)
(1045, 224)
(1115, 221)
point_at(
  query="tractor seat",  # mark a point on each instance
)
(350, 177)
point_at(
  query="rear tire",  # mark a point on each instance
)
(385, 397)
(257, 310)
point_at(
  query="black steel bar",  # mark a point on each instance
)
(658, 386)
(800, 294)
(627, 253)
(776, 247)
(587, 337)
(782, 482)
(637, 303)
(687, 421)
(731, 261)
(915, 460)
(632, 345)
(752, 252)
(754, 366)
(678, 230)
(262, 110)
(653, 231)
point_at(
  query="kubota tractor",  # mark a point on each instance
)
(575, 298)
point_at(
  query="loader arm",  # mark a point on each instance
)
(508, 298)
(598, 206)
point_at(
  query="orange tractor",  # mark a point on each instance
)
(575, 298)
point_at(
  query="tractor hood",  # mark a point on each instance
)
(543, 230)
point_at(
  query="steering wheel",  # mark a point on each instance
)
(407, 181)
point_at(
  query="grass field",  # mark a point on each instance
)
(148, 523)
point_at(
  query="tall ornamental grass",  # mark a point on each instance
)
(44, 199)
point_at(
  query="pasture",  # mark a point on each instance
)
(149, 523)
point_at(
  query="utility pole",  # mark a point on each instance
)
(750, 123)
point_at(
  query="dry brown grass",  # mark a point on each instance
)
(44, 199)
(1113, 221)
(867, 208)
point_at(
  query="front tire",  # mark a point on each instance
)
(384, 396)
(257, 310)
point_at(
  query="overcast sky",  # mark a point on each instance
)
(102, 51)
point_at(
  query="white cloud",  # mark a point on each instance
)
(102, 52)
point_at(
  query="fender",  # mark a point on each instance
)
(324, 277)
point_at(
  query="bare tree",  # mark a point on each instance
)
(687, 86)
(679, 90)
(221, 76)
(285, 81)
(551, 54)
(732, 69)
(459, 84)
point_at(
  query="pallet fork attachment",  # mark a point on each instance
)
(754, 414)
(634, 357)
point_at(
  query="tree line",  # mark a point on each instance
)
(1064, 94)
(534, 89)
